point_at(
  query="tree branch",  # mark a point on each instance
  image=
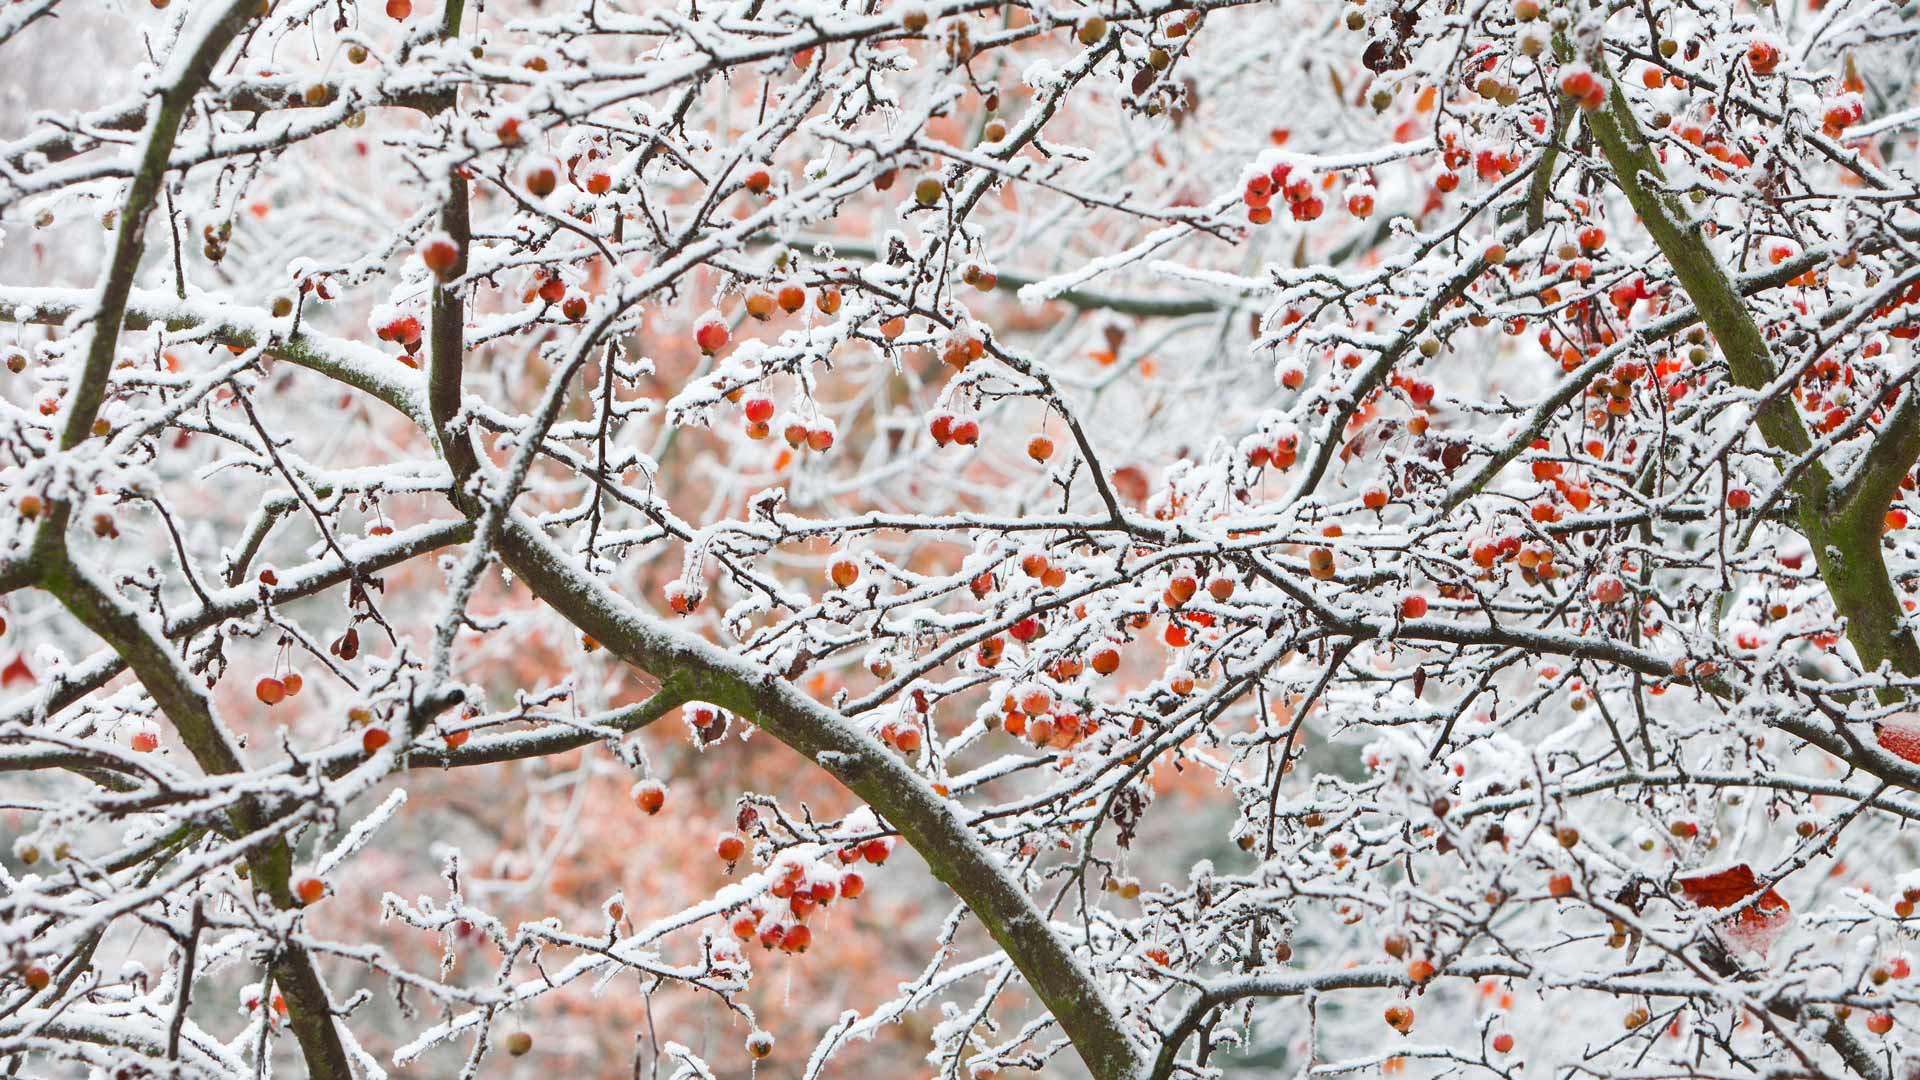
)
(1845, 541)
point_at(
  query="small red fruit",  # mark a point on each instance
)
(1609, 590)
(844, 573)
(540, 179)
(712, 336)
(759, 410)
(1181, 589)
(270, 690)
(310, 890)
(439, 254)
(730, 847)
(650, 795)
(760, 1044)
(1503, 1043)
(1414, 606)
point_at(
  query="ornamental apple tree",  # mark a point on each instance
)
(1317, 538)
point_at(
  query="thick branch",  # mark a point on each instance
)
(83, 404)
(1845, 540)
(925, 819)
(310, 1012)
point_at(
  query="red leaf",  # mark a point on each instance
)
(17, 671)
(1899, 738)
(1725, 888)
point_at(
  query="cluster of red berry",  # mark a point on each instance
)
(800, 885)
(1298, 192)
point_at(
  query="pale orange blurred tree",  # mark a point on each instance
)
(1169, 538)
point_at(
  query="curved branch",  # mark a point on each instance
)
(1845, 540)
(309, 1009)
(926, 820)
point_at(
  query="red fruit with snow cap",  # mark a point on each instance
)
(439, 254)
(1609, 589)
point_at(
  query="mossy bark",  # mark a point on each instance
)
(1844, 533)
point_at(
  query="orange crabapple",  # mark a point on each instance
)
(650, 795)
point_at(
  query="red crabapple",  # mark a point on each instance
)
(711, 335)
(650, 795)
